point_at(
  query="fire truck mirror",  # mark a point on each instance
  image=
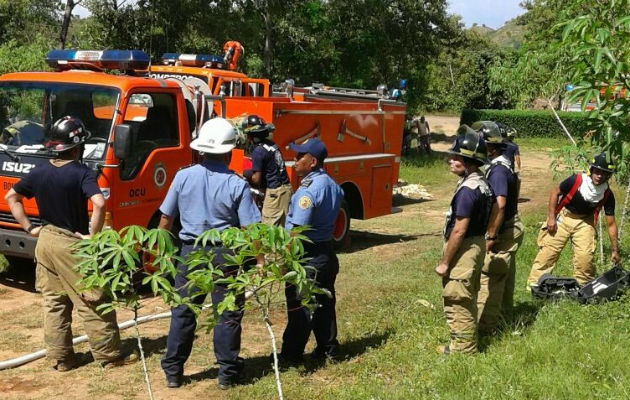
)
(122, 141)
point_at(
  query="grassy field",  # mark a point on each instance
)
(545, 351)
(390, 322)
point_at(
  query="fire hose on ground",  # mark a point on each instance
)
(25, 359)
(18, 361)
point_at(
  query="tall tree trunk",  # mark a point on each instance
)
(267, 53)
(67, 17)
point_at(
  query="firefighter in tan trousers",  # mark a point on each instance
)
(573, 209)
(61, 188)
(504, 237)
(465, 247)
(268, 171)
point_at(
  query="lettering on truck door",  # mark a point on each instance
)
(157, 153)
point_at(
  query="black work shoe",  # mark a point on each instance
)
(285, 360)
(175, 381)
(66, 365)
(322, 356)
(225, 384)
(125, 359)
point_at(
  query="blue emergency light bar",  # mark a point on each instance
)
(124, 60)
(193, 60)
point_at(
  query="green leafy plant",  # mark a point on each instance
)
(112, 261)
(284, 265)
(598, 40)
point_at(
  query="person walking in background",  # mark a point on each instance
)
(572, 213)
(464, 243)
(61, 188)
(424, 136)
(207, 196)
(504, 237)
(316, 204)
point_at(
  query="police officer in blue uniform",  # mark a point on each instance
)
(207, 196)
(316, 203)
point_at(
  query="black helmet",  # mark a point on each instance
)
(66, 133)
(490, 131)
(256, 126)
(469, 144)
(603, 162)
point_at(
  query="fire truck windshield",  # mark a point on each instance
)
(27, 108)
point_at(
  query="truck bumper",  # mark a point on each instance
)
(17, 243)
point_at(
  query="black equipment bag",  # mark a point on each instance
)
(608, 286)
(551, 287)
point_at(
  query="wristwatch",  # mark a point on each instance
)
(488, 237)
(30, 228)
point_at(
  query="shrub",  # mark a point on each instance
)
(531, 123)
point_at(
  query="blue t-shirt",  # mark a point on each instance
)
(208, 196)
(315, 203)
(511, 150)
(61, 194)
(267, 159)
(469, 203)
(504, 183)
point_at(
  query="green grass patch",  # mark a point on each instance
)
(426, 169)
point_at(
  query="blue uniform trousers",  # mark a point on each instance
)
(226, 334)
(323, 320)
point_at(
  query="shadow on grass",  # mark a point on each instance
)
(522, 317)
(20, 274)
(361, 240)
(258, 367)
(441, 137)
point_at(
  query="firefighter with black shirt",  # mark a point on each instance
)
(464, 243)
(504, 237)
(268, 172)
(572, 213)
(61, 189)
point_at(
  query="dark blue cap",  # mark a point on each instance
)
(314, 147)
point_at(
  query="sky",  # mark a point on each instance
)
(492, 13)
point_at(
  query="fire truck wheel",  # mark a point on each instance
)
(341, 229)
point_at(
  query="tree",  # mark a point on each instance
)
(600, 67)
(67, 17)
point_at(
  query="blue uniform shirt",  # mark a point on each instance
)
(511, 150)
(267, 159)
(503, 183)
(316, 203)
(208, 196)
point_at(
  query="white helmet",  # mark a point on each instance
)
(216, 136)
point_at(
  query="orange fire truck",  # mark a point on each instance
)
(142, 126)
